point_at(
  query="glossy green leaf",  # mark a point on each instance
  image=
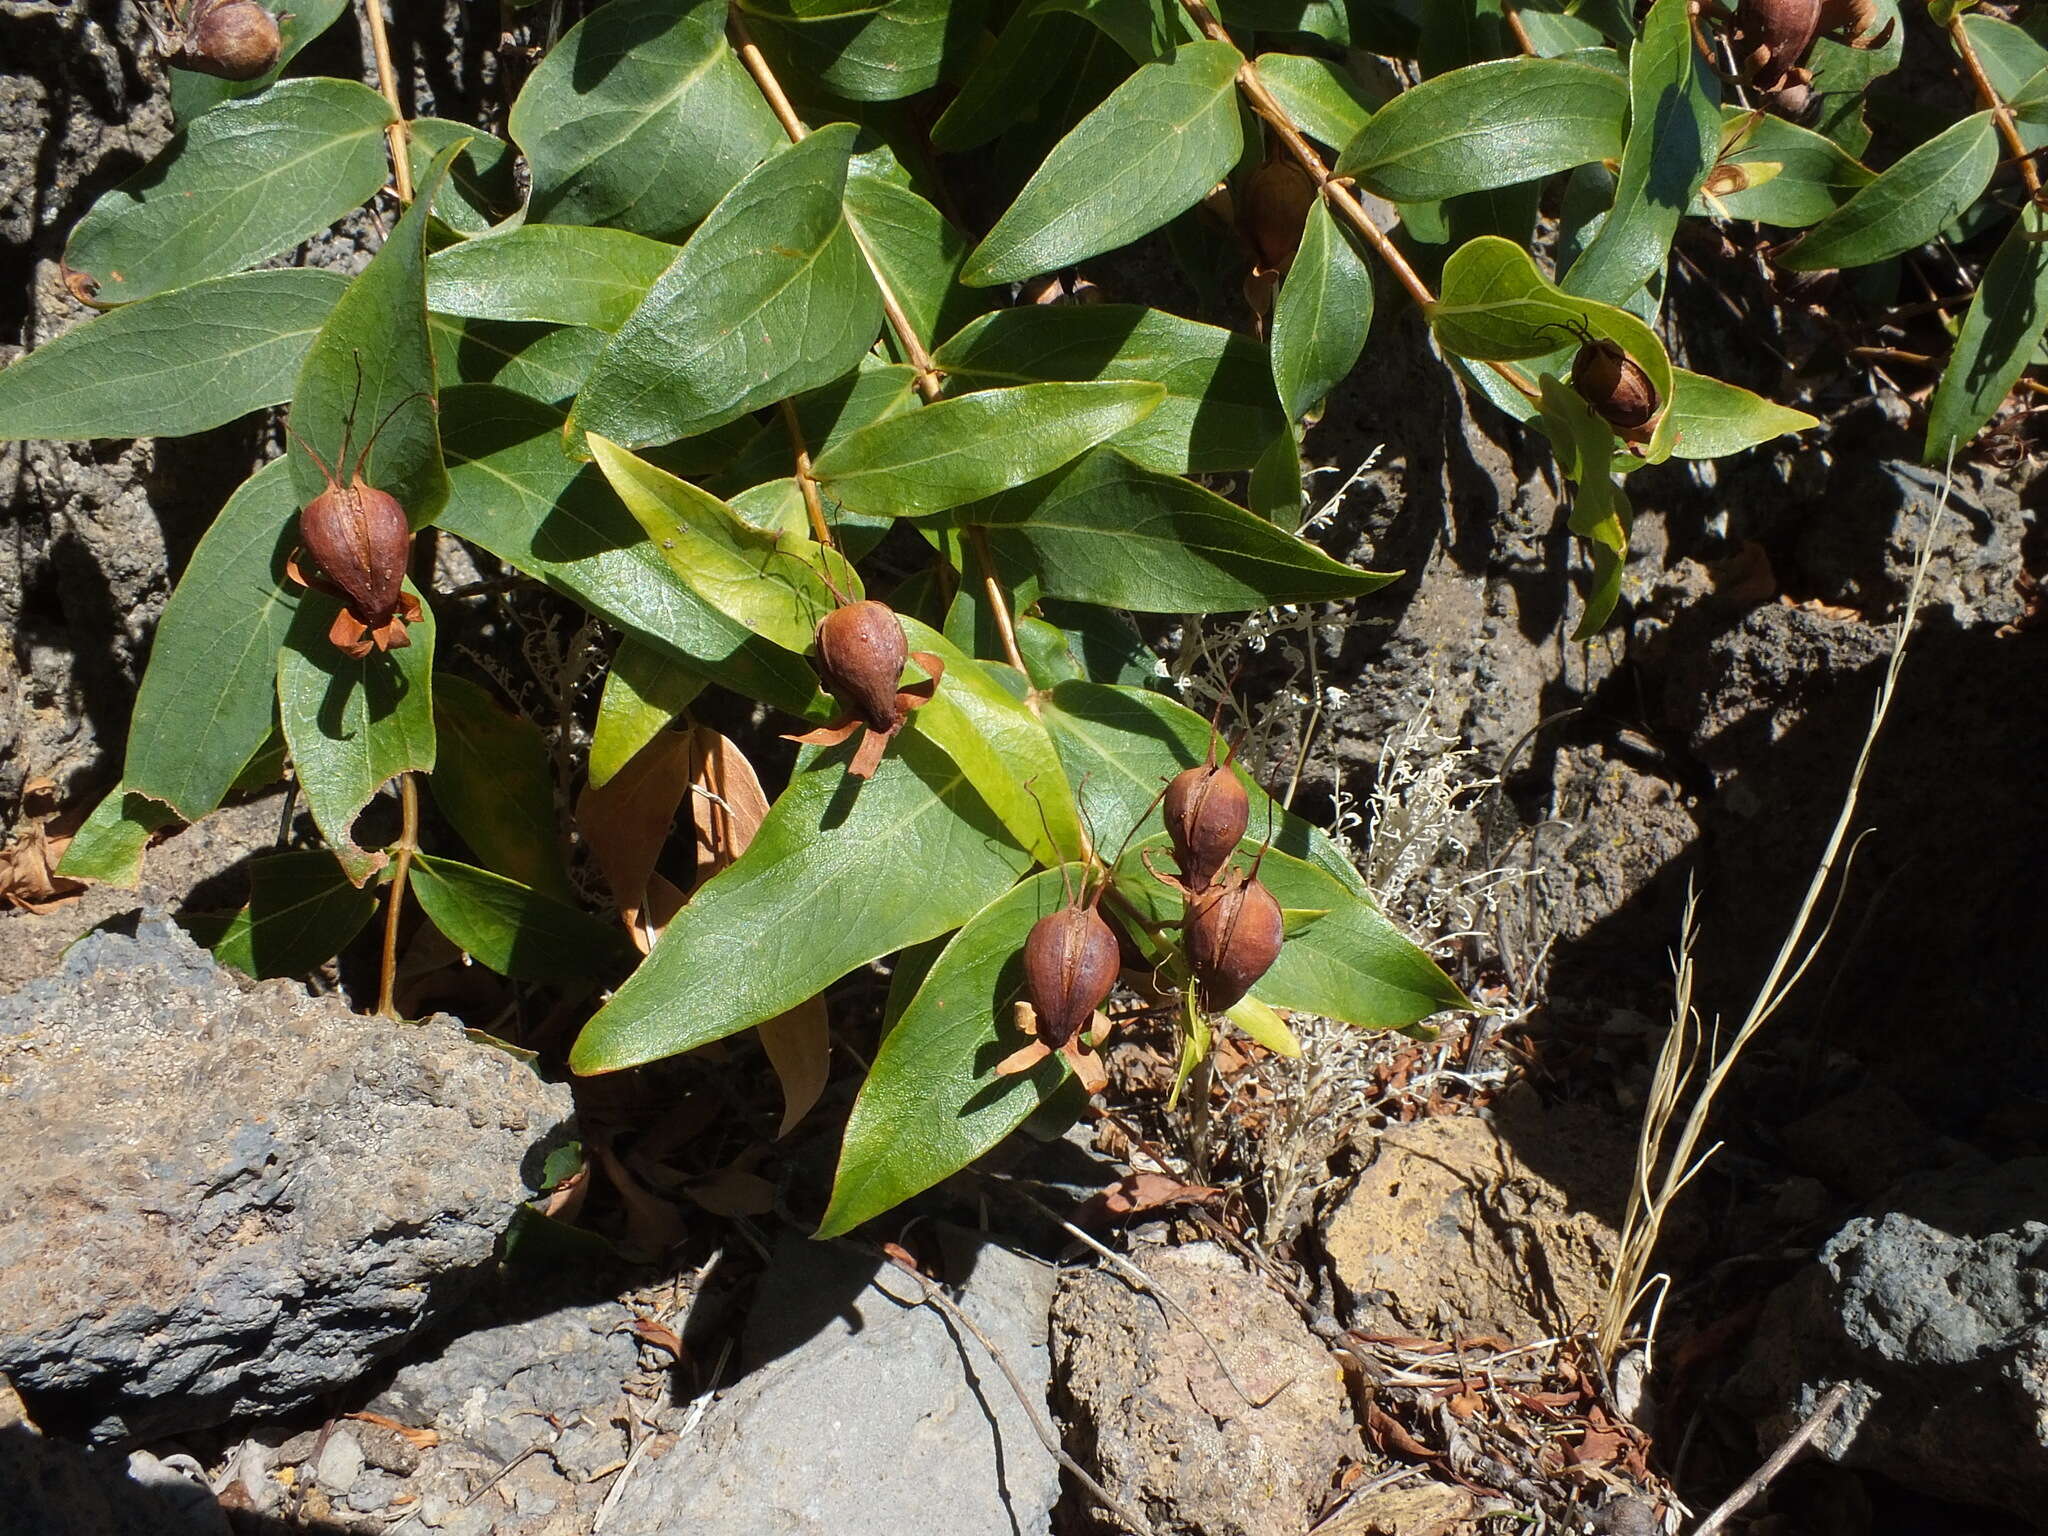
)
(1321, 97)
(513, 929)
(1674, 134)
(769, 298)
(1842, 76)
(547, 363)
(1034, 46)
(353, 724)
(482, 188)
(493, 782)
(2004, 325)
(193, 93)
(367, 382)
(171, 365)
(551, 272)
(302, 912)
(1600, 513)
(826, 417)
(240, 184)
(1809, 176)
(765, 582)
(1488, 125)
(840, 873)
(109, 844)
(1147, 30)
(1104, 530)
(932, 1102)
(1151, 151)
(1002, 747)
(1908, 204)
(917, 251)
(863, 50)
(1260, 1024)
(1322, 315)
(2016, 64)
(1712, 419)
(642, 118)
(1122, 744)
(971, 446)
(1219, 412)
(644, 689)
(209, 693)
(514, 492)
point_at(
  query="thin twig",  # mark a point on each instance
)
(977, 536)
(408, 843)
(2001, 114)
(1758, 1480)
(936, 1298)
(387, 82)
(805, 480)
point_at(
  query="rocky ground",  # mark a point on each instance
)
(287, 1220)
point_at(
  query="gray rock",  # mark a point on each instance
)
(1936, 1310)
(1162, 1426)
(340, 1463)
(863, 1413)
(222, 1198)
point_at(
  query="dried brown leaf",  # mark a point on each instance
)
(799, 1047)
(627, 819)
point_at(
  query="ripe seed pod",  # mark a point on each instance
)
(861, 655)
(1206, 811)
(361, 540)
(1614, 384)
(1234, 933)
(1773, 36)
(1070, 963)
(233, 39)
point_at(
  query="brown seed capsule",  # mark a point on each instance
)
(1276, 205)
(1070, 963)
(1614, 384)
(233, 39)
(861, 655)
(360, 539)
(1206, 811)
(1234, 933)
(1772, 37)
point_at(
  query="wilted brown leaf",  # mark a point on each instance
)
(799, 1047)
(28, 864)
(626, 821)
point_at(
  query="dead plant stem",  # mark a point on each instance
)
(387, 82)
(1760, 1479)
(408, 843)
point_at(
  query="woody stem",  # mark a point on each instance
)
(387, 82)
(2001, 114)
(805, 480)
(778, 101)
(1343, 203)
(978, 537)
(408, 843)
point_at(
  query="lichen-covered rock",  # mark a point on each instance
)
(219, 1197)
(1149, 1409)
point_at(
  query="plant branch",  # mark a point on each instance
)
(778, 102)
(408, 844)
(387, 82)
(805, 480)
(1760, 1479)
(977, 536)
(2001, 114)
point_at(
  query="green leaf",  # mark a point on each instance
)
(2017, 67)
(1219, 412)
(767, 583)
(1322, 315)
(244, 182)
(1147, 30)
(1004, 86)
(1907, 205)
(481, 188)
(368, 379)
(1600, 513)
(1104, 530)
(1714, 419)
(1122, 744)
(513, 929)
(546, 363)
(971, 446)
(171, 365)
(193, 93)
(302, 912)
(2004, 325)
(644, 689)
(769, 298)
(641, 118)
(918, 253)
(863, 50)
(1809, 176)
(932, 1103)
(492, 781)
(1488, 125)
(826, 417)
(109, 845)
(353, 725)
(840, 873)
(1002, 747)
(1674, 132)
(514, 492)
(551, 272)
(1152, 150)
(1321, 97)
(209, 693)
